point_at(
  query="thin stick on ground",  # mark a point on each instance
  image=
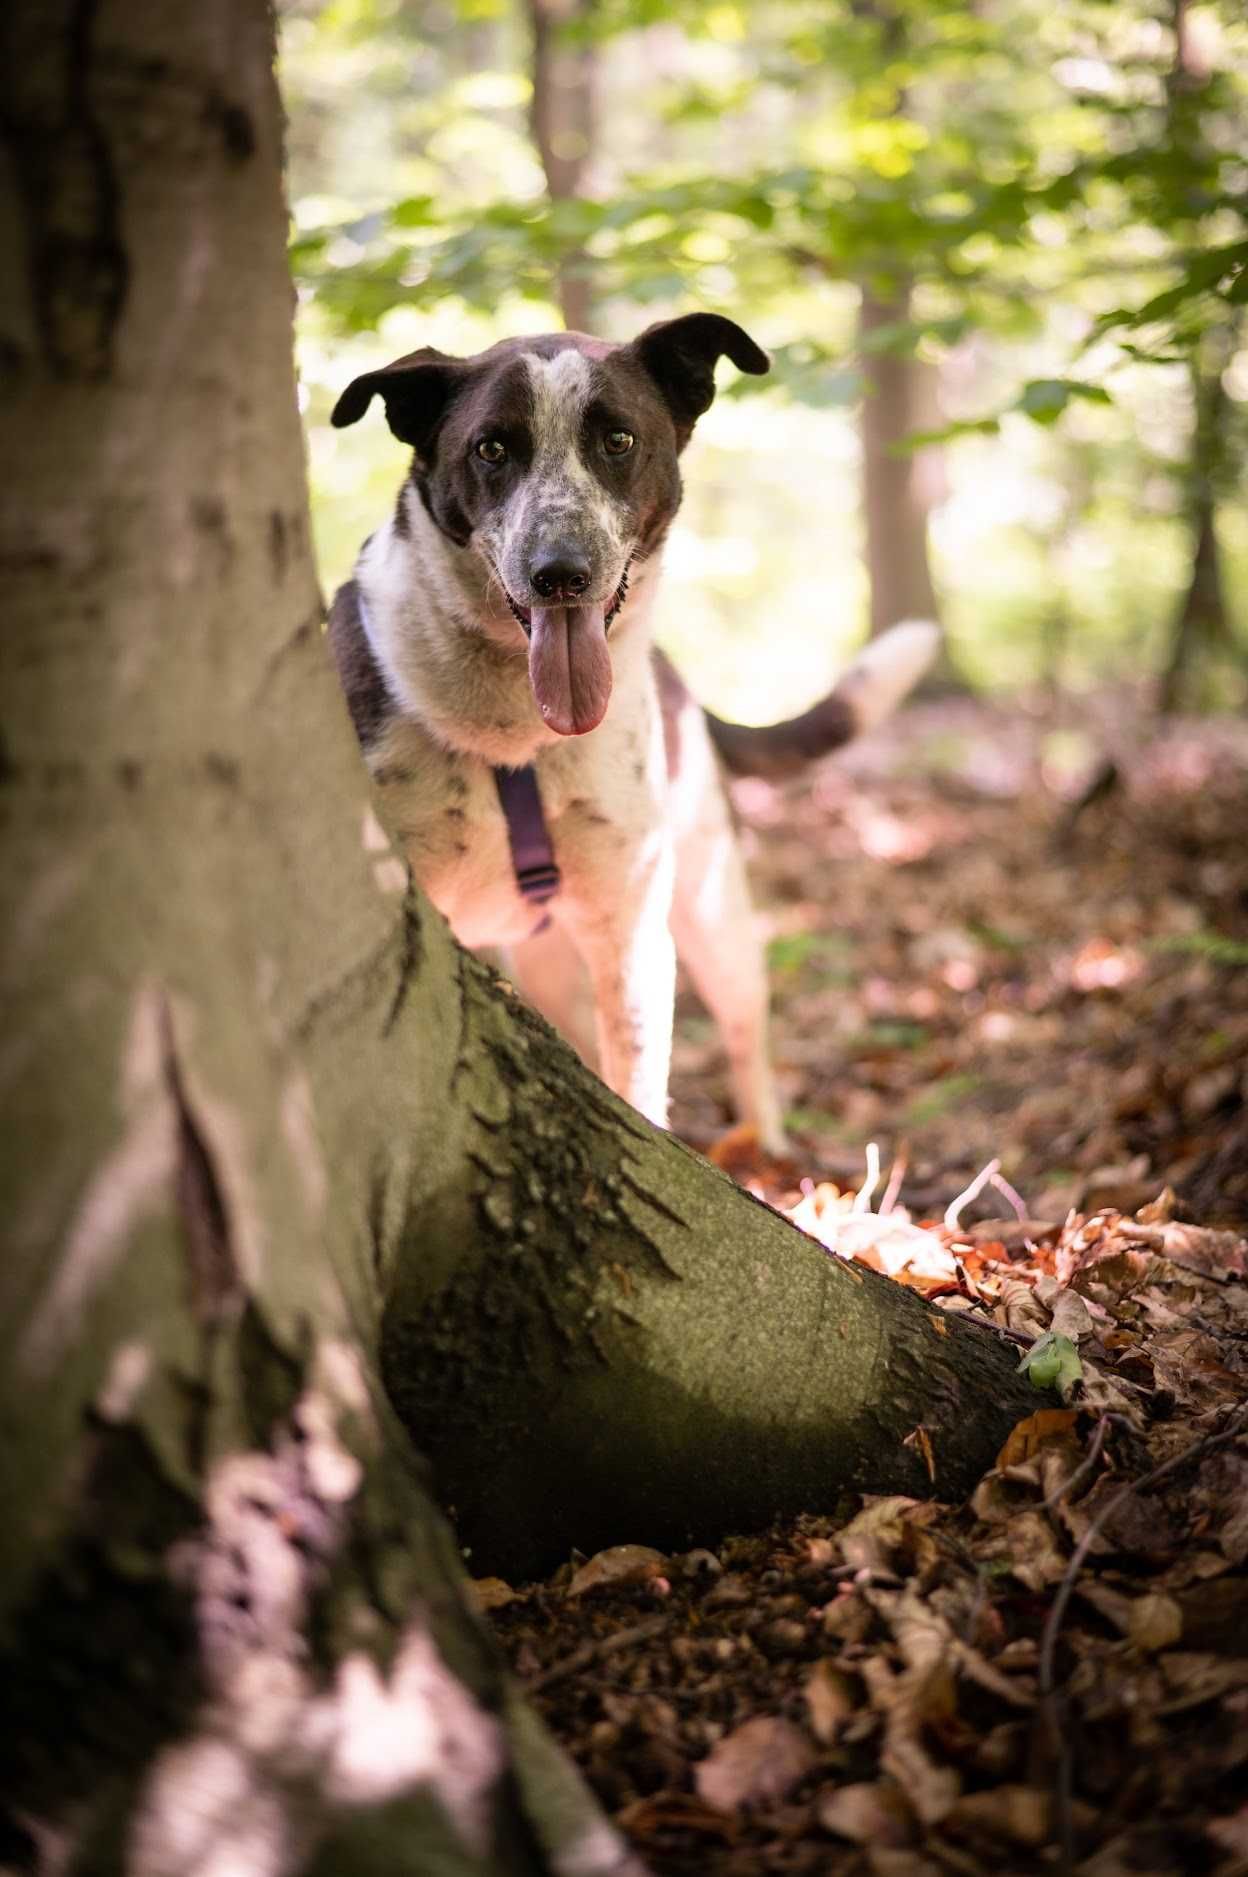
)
(1084, 1467)
(953, 1211)
(1053, 1623)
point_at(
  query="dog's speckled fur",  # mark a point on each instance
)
(430, 641)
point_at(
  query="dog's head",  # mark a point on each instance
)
(555, 459)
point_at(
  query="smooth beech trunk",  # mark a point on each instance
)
(270, 1135)
(563, 119)
(895, 481)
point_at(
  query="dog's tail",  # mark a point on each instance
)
(881, 675)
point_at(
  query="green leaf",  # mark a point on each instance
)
(946, 433)
(1044, 399)
(415, 212)
(1053, 1362)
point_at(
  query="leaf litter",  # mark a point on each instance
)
(1014, 1044)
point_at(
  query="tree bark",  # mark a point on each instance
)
(563, 120)
(233, 1627)
(270, 1134)
(1202, 623)
(895, 483)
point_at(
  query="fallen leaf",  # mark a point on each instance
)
(1191, 1680)
(1155, 1622)
(619, 1564)
(1018, 1813)
(870, 1813)
(1030, 1551)
(491, 1593)
(674, 1811)
(1071, 1316)
(1217, 1254)
(1028, 1436)
(830, 1701)
(757, 1763)
(872, 1538)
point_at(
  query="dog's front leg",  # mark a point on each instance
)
(626, 942)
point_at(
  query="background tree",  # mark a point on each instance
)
(1019, 176)
(563, 114)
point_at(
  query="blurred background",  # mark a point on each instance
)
(999, 253)
(997, 250)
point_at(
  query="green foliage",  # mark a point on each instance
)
(1053, 1362)
(1044, 193)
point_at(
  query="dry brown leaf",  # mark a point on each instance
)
(924, 1692)
(619, 1564)
(1114, 1605)
(1027, 1437)
(1194, 1679)
(872, 1538)
(892, 1860)
(1031, 1551)
(1017, 1813)
(978, 1668)
(680, 1811)
(1019, 1310)
(1129, 1521)
(1217, 1254)
(1071, 1316)
(757, 1763)
(1159, 1211)
(831, 1700)
(1155, 1623)
(869, 1813)
(491, 1593)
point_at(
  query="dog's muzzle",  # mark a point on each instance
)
(569, 664)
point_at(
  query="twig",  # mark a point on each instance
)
(1084, 1467)
(591, 1651)
(953, 1211)
(897, 1174)
(1053, 1622)
(1065, 1589)
(862, 1198)
(1015, 1198)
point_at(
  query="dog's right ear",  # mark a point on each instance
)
(416, 391)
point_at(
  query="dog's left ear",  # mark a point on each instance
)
(681, 355)
(416, 391)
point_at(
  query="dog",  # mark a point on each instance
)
(556, 789)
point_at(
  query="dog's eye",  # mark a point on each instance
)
(492, 450)
(618, 442)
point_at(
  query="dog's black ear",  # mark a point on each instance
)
(416, 391)
(681, 355)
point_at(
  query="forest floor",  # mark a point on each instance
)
(1034, 1017)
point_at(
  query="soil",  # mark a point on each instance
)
(1010, 966)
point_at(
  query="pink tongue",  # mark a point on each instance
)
(570, 666)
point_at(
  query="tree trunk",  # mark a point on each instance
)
(1202, 622)
(562, 116)
(269, 1132)
(895, 484)
(234, 1633)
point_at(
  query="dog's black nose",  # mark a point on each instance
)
(562, 577)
